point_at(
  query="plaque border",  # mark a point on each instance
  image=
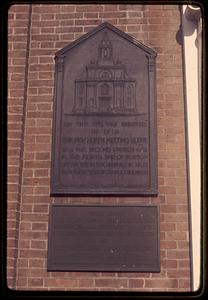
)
(56, 189)
(157, 269)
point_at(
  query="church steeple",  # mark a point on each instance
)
(105, 55)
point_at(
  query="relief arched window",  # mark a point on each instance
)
(104, 89)
(105, 75)
(129, 95)
(80, 94)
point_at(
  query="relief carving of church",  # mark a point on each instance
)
(105, 86)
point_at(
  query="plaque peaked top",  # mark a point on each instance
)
(109, 26)
(104, 125)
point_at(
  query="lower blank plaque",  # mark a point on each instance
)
(104, 238)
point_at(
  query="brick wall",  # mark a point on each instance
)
(35, 33)
(17, 72)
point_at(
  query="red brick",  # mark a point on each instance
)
(46, 9)
(175, 181)
(178, 273)
(43, 139)
(167, 226)
(12, 170)
(183, 264)
(13, 179)
(42, 156)
(39, 114)
(32, 272)
(155, 20)
(70, 16)
(182, 190)
(25, 226)
(180, 172)
(167, 190)
(36, 164)
(112, 15)
(183, 244)
(40, 129)
(27, 190)
(182, 226)
(13, 187)
(111, 7)
(134, 275)
(67, 8)
(42, 173)
(70, 29)
(168, 244)
(172, 217)
(35, 282)
(47, 16)
(177, 254)
(66, 37)
(24, 244)
(41, 208)
(30, 139)
(42, 190)
(37, 148)
(168, 208)
(169, 264)
(39, 226)
(111, 283)
(32, 91)
(33, 253)
(22, 282)
(160, 284)
(134, 28)
(184, 283)
(38, 244)
(90, 15)
(34, 235)
(29, 156)
(177, 199)
(19, 8)
(122, 7)
(136, 283)
(176, 235)
(86, 282)
(47, 45)
(35, 181)
(170, 21)
(18, 23)
(34, 217)
(55, 282)
(135, 21)
(26, 208)
(88, 22)
(41, 52)
(42, 82)
(136, 7)
(40, 98)
(35, 199)
(91, 8)
(36, 263)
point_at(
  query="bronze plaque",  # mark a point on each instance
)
(104, 127)
(104, 238)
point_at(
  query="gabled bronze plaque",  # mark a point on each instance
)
(104, 127)
(104, 238)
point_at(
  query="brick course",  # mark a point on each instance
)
(30, 108)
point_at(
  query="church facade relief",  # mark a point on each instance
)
(105, 86)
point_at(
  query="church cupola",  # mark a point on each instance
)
(105, 55)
